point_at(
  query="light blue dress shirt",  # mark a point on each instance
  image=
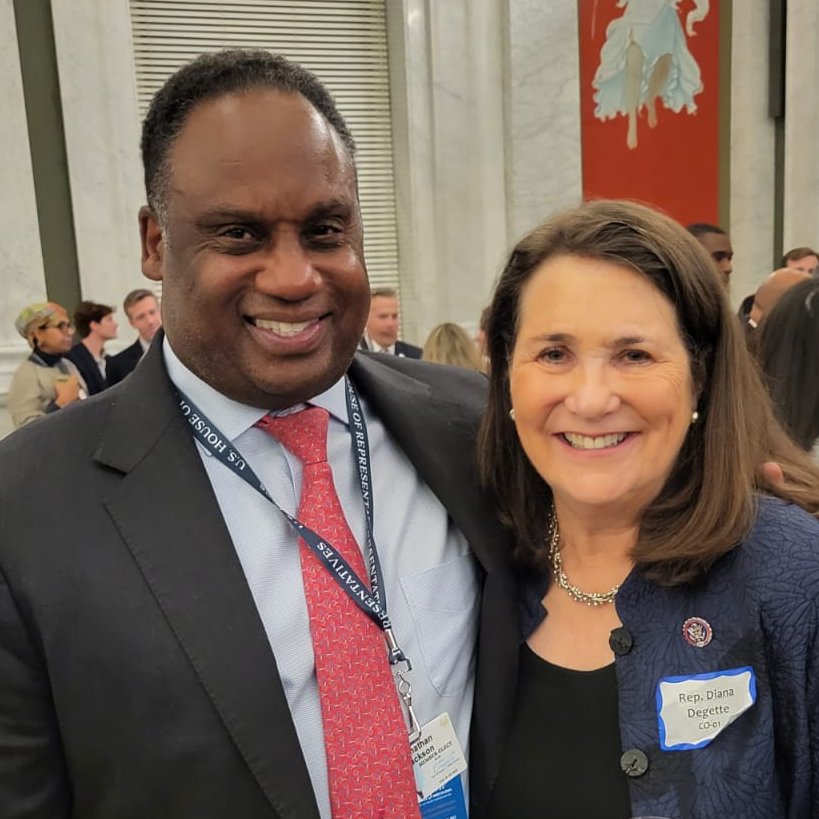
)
(430, 577)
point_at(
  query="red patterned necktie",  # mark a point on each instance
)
(365, 736)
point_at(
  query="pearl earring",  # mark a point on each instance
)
(694, 417)
(512, 413)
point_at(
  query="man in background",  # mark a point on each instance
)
(143, 315)
(381, 332)
(718, 244)
(804, 259)
(95, 324)
(771, 290)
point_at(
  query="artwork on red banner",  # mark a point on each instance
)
(649, 75)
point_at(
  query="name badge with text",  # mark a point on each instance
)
(439, 762)
(693, 710)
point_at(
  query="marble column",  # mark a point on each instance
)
(752, 151)
(801, 202)
(21, 258)
(446, 63)
(98, 92)
(543, 103)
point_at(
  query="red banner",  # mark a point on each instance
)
(649, 102)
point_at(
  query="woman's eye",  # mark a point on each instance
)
(553, 355)
(636, 356)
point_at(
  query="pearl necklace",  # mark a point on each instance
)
(576, 593)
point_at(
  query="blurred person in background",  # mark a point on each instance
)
(381, 332)
(449, 343)
(805, 259)
(142, 310)
(718, 244)
(788, 352)
(46, 381)
(95, 324)
(771, 290)
(670, 632)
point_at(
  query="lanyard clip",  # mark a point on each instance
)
(405, 692)
(395, 653)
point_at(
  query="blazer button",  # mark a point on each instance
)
(633, 762)
(621, 641)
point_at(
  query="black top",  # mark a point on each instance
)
(563, 756)
(81, 356)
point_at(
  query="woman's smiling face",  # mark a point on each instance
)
(600, 383)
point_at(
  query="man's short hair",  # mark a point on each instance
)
(214, 75)
(796, 254)
(133, 297)
(384, 293)
(701, 228)
(87, 312)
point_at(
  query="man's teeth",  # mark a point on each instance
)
(598, 442)
(282, 328)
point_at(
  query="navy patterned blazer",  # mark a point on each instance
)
(762, 603)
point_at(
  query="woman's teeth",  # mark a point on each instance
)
(597, 442)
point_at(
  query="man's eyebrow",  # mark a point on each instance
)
(335, 205)
(226, 213)
(219, 213)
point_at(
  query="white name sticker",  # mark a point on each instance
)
(693, 710)
(436, 756)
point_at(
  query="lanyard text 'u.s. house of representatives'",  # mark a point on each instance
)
(372, 601)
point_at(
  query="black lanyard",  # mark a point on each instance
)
(371, 601)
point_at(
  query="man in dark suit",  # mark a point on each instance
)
(143, 315)
(95, 324)
(155, 651)
(381, 332)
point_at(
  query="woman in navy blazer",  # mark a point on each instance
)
(670, 623)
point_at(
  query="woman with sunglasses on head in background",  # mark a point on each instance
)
(46, 381)
(669, 645)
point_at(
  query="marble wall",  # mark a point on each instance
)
(487, 129)
(98, 93)
(446, 63)
(801, 184)
(21, 260)
(543, 104)
(752, 151)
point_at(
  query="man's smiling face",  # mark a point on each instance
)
(265, 293)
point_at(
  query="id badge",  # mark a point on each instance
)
(438, 762)
(693, 710)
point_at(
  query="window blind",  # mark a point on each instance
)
(344, 42)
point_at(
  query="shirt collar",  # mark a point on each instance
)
(231, 417)
(375, 347)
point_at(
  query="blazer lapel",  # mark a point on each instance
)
(169, 518)
(438, 436)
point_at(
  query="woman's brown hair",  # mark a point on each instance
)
(707, 504)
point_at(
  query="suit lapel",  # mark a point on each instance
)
(438, 436)
(169, 518)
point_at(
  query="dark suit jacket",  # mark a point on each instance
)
(136, 679)
(122, 364)
(402, 349)
(407, 350)
(88, 368)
